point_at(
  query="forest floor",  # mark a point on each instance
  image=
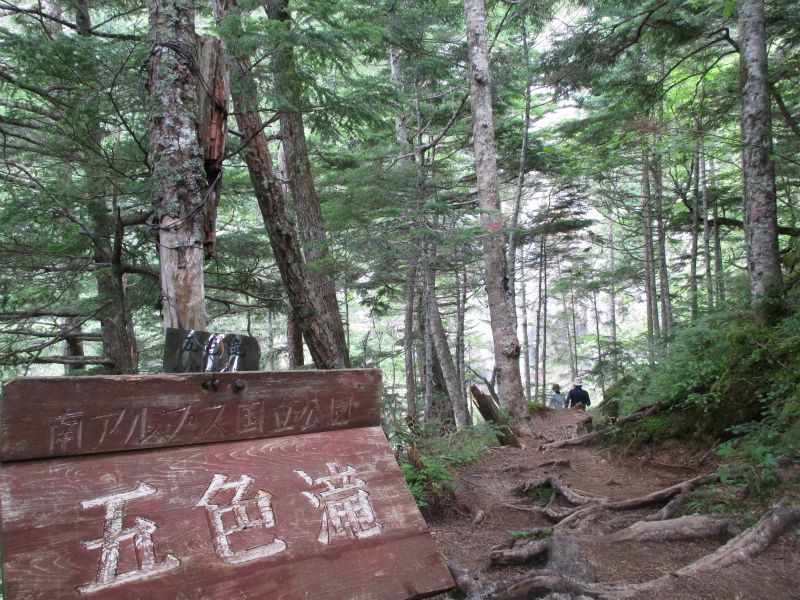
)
(486, 490)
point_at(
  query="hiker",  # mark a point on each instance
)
(556, 399)
(578, 396)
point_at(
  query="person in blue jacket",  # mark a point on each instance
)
(556, 398)
(578, 396)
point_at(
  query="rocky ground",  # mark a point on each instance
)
(581, 558)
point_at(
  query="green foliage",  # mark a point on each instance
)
(428, 485)
(535, 407)
(543, 495)
(530, 535)
(434, 485)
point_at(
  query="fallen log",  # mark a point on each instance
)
(490, 412)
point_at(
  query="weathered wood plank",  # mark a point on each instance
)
(321, 515)
(62, 416)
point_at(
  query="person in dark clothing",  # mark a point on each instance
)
(578, 396)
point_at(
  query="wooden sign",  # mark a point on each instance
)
(314, 515)
(63, 416)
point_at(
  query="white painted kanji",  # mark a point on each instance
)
(114, 534)
(237, 507)
(347, 511)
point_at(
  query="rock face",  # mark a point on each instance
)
(567, 559)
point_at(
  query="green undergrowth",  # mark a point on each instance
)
(728, 377)
(428, 463)
(531, 535)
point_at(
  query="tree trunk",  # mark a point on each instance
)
(72, 346)
(489, 411)
(504, 334)
(758, 170)
(612, 297)
(661, 236)
(511, 261)
(461, 363)
(653, 330)
(408, 345)
(693, 311)
(318, 332)
(294, 341)
(545, 294)
(212, 102)
(401, 133)
(537, 343)
(599, 343)
(301, 183)
(526, 347)
(179, 187)
(116, 320)
(439, 336)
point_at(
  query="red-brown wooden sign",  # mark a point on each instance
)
(287, 515)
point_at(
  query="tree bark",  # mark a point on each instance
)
(439, 337)
(294, 341)
(179, 187)
(311, 225)
(317, 332)
(612, 298)
(408, 344)
(526, 347)
(213, 92)
(653, 331)
(661, 234)
(511, 261)
(758, 170)
(693, 306)
(490, 412)
(504, 333)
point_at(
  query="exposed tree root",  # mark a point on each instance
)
(558, 463)
(743, 547)
(466, 583)
(540, 582)
(633, 503)
(520, 554)
(574, 497)
(684, 528)
(750, 542)
(671, 507)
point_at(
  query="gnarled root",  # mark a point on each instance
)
(520, 554)
(750, 542)
(632, 503)
(574, 497)
(684, 528)
(743, 547)
(466, 583)
(540, 582)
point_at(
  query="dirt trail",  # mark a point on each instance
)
(488, 486)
